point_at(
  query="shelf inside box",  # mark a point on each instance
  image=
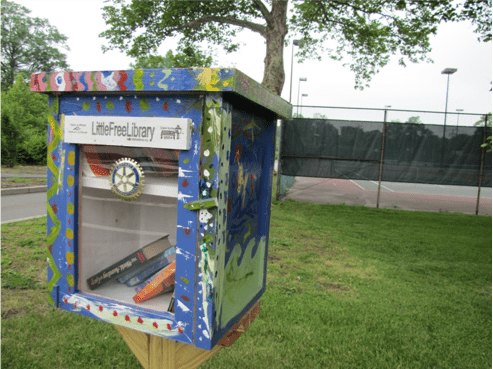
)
(122, 293)
(158, 186)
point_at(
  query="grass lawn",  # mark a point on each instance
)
(347, 287)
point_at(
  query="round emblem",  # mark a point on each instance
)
(127, 179)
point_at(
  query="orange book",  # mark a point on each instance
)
(158, 285)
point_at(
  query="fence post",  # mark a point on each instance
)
(483, 149)
(278, 183)
(382, 151)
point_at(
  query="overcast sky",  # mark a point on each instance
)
(416, 87)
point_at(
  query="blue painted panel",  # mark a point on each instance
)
(63, 216)
(250, 189)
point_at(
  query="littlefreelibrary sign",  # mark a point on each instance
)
(165, 133)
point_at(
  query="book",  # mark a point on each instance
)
(129, 262)
(150, 267)
(166, 258)
(171, 306)
(157, 286)
(149, 280)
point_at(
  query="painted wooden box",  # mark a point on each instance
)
(203, 141)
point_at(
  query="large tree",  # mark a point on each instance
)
(186, 56)
(28, 44)
(368, 32)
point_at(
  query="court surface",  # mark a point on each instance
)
(393, 195)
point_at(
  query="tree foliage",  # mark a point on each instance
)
(23, 125)
(28, 44)
(185, 57)
(364, 34)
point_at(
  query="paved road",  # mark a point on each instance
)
(25, 206)
(393, 195)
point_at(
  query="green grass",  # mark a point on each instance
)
(25, 169)
(347, 287)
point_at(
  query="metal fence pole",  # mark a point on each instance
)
(278, 184)
(382, 151)
(481, 165)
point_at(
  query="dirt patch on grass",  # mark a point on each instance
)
(332, 286)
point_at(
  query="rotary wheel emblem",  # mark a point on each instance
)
(127, 179)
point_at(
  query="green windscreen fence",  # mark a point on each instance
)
(413, 153)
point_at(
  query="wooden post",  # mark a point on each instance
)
(155, 352)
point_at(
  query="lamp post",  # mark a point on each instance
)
(301, 107)
(382, 151)
(458, 111)
(448, 72)
(302, 79)
(295, 43)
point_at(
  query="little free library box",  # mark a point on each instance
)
(159, 194)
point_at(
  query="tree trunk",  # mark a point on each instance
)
(276, 31)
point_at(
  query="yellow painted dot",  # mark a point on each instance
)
(70, 208)
(70, 234)
(70, 257)
(71, 158)
(70, 180)
(70, 279)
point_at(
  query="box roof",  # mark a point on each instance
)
(161, 80)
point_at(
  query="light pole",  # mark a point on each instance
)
(302, 79)
(458, 111)
(448, 72)
(382, 151)
(301, 107)
(295, 43)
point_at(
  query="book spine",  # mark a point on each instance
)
(151, 269)
(164, 279)
(162, 260)
(117, 269)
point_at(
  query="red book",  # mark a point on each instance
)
(158, 285)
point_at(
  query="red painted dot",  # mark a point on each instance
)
(185, 298)
(187, 231)
(53, 157)
(69, 221)
(185, 183)
(55, 208)
(88, 307)
(128, 106)
(70, 194)
(100, 307)
(155, 325)
(69, 289)
(180, 329)
(69, 244)
(127, 318)
(115, 313)
(69, 267)
(140, 320)
(65, 300)
(75, 306)
(165, 106)
(98, 107)
(169, 326)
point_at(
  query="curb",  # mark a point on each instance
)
(23, 190)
